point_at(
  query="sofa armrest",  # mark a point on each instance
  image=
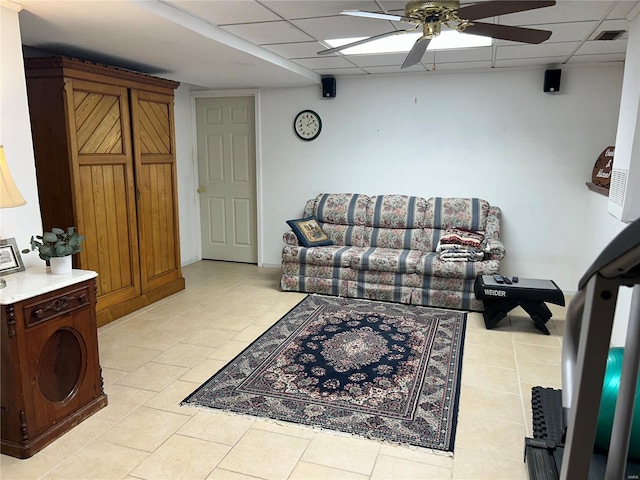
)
(494, 250)
(493, 222)
(290, 238)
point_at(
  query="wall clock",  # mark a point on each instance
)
(307, 125)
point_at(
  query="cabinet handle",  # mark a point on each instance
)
(39, 313)
(82, 298)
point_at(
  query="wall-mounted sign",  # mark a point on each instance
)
(601, 175)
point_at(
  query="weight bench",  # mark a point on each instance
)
(529, 293)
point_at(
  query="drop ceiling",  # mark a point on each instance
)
(274, 43)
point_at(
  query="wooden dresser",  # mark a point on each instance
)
(51, 376)
(104, 146)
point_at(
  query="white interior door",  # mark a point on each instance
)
(227, 174)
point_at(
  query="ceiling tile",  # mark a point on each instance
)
(524, 62)
(542, 50)
(378, 60)
(294, 9)
(324, 62)
(395, 7)
(622, 9)
(343, 26)
(568, 32)
(603, 46)
(461, 54)
(484, 64)
(616, 57)
(575, 10)
(418, 68)
(268, 32)
(223, 12)
(340, 71)
(296, 50)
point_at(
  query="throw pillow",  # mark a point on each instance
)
(309, 232)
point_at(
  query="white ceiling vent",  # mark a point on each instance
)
(609, 34)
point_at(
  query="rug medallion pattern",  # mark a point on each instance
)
(375, 369)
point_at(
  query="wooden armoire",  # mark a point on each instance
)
(104, 147)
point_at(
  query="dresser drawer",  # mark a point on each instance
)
(46, 307)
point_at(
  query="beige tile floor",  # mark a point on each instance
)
(155, 357)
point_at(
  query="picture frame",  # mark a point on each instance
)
(10, 259)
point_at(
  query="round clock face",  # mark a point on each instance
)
(307, 125)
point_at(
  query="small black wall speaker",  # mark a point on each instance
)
(328, 87)
(552, 80)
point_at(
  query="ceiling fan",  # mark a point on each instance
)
(431, 15)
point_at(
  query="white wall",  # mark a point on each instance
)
(494, 135)
(190, 250)
(15, 134)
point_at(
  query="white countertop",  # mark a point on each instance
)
(35, 281)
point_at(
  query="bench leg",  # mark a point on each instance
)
(494, 311)
(539, 313)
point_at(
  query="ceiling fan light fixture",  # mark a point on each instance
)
(447, 40)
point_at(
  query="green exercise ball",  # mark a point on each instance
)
(608, 405)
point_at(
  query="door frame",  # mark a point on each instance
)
(255, 93)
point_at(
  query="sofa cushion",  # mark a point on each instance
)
(331, 255)
(396, 211)
(350, 235)
(457, 212)
(385, 260)
(398, 238)
(430, 265)
(308, 232)
(341, 208)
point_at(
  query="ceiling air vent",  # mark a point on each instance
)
(609, 34)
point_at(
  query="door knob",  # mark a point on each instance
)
(201, 189)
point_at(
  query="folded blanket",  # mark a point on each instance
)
(459, 236)
(461, 256)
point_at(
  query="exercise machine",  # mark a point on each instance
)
(565, 421)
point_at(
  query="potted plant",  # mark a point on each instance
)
(56, 248)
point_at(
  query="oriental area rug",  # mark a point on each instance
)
(378, 370)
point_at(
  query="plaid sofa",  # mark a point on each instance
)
(385, 249)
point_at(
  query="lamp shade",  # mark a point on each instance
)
(9, 194)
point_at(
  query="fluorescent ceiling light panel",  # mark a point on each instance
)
(447, 40)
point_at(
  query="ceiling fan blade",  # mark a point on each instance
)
(379, 16)
(495, 8)
(361, 42)
(507, 32)
(417, 52)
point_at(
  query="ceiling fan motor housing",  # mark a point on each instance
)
(421, 9)
(432, 14)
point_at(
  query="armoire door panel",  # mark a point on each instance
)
(152, 122)
(98, 121)
(109, 235)
(158, 223)
(155, 130)
(104, 190)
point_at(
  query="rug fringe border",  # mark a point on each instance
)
(317, 428)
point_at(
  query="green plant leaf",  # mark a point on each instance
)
(50, 237)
